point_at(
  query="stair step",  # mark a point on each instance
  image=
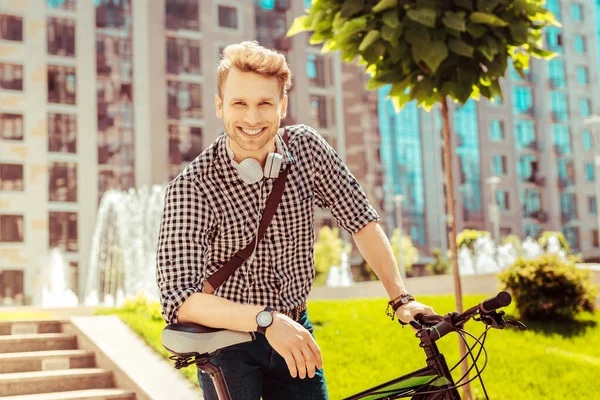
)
(91, 394)
(21, 383)
(39, 342)
(21, 327)
(46, 360)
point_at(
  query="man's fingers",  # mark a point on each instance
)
(289, 360)
(316, 351)
(300, 363)
(309, 360)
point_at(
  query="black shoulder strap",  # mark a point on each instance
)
(223, 273)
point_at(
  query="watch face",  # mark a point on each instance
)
(264, 318)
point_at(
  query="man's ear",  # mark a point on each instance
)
(283, 109)
(219, 104)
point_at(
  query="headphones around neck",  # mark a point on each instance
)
(250, 170)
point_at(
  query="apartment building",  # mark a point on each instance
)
(536, 142)
(118, 94)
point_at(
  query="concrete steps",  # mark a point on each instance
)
(40, 359)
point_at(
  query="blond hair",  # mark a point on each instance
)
(249, 56)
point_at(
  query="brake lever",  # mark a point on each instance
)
(517, 324)
(494, 319)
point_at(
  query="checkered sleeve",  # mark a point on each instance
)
(182, 244)
(337, 189)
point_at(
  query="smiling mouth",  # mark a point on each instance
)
(252, 132)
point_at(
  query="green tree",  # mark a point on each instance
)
(328, 251)
(440, 264)
(432, 50)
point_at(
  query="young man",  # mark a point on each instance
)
(212, 210)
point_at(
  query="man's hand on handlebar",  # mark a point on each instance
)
(296, 345)
(408, 311)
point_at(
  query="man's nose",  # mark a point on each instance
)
(252, 116)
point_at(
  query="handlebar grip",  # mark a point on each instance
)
(502, 299)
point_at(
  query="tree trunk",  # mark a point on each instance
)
(451, 225)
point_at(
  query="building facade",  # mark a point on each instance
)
(118, 94)
(536, 141)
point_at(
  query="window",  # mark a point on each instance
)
(556, 71)
(63, 231)
(61, 85)
(499, 165)
(184, 100)
(61, 37)
(525, 133)
(580, 45)
(585, 107)
(11, 177)
(113, 14)
(577, 12)
(68, 5)
(185, 143)
(503, 199)
(592, 207)
(496, 130)
(228, 17)
(182, 14)
(595, 238)
(11, 287)
(315, 69)
(62, 133)
(522, 100)
(183, 56)
(318, 111)
(561, 138)
(560, 109)
(63, 182)
(11, 228)
(587, 140)
(114, 180)
(583, 76)
(554, 39)
(589, 171)
(11, 77)
(572, 236)
(11, 28)
(11, 126)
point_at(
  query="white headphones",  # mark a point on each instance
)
(250, 170)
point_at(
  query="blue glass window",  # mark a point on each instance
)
(587, 140)
(556, 70)
(592, 207)
(530, 201)
(582, 75)
(524, 133)
(562, 139)
(307, 3)
(499, 165)
(513, 72)
(522, 100)
(572, 236)
(266, 4)
(584, 107)
(496, 130)
(579, 44)
(532, 230)
(311, 68)
(559, 106)
(577, 12)
(469, 157)
(554, 7)
(554, 39)
(525, 166)
(502, 197)
(589, 171)
(566, 171)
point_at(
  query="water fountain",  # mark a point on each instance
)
(55, 292)
(340, 276)
(123, 254)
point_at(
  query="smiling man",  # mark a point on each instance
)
(213, 208)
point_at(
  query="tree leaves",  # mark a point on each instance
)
(429, 49)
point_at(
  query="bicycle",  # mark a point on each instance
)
(197, 344)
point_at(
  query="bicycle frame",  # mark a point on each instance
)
(435, 377)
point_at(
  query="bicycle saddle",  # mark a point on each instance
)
(193, 339)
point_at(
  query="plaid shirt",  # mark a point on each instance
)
(210, 214)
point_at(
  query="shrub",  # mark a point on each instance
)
(549, 288)
(328, 251)
(515, 241)
(468, 237)
(440, 265)
(401, 247)
(543, 240)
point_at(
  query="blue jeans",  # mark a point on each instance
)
(254, 369)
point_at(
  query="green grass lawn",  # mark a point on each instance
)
(362, 347)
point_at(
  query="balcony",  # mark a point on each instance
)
(283, 43)
(556, 83)
(540, 215)
(533, 145)
(536, 179)
(282, 5)
(568, 216)
(565, 182)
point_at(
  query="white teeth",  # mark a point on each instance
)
(253, 131)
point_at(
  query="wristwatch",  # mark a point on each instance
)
(264, 319)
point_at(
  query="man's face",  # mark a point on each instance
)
(251, 109)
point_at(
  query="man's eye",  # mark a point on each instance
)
(265, 103)
(238, 103)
